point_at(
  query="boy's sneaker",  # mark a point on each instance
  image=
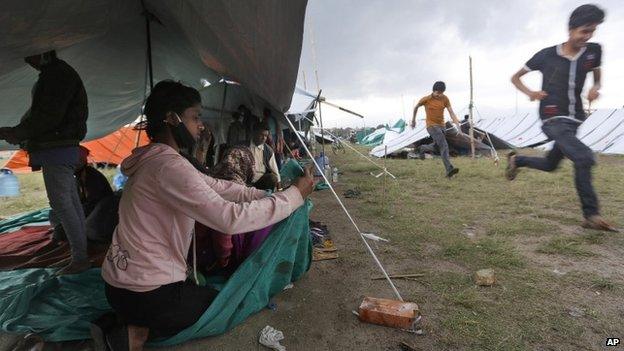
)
(512, 170)
(452, 172)
(598, 223)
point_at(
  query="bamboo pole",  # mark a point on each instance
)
(472, 143)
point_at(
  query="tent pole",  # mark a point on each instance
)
(148, 16)
(150, 69)
(321, 123)
(472, 143)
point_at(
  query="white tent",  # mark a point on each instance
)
(257, 44)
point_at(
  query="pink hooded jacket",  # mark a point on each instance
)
(163, 197)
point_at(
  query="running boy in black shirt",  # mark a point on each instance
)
(564, 68)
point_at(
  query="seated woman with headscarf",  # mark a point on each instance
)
(145, 270)
(221, 253)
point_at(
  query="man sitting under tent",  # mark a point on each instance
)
(145, 269)
(98, 201)
(266, 174)
(51, 131)
(435, 103)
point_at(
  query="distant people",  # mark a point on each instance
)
(50, 131)
(434, 104)
(249, 121)
(236, 131)
(266, 174)
(294, 150)
(564, 68)
(204, 151)
(276, 136)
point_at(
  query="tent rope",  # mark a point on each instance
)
(354, 149)
(368, 247)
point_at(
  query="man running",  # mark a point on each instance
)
(564, 68)
(435, 103)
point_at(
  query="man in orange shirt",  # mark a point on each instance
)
(435, 103)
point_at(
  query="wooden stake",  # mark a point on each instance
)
(472, 143)
(400, 276)
(385, 174)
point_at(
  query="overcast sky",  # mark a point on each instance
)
(378, 57)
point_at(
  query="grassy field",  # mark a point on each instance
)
(559, 287)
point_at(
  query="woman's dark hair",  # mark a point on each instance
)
(586, 14)
(167, 96)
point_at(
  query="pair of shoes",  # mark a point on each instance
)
(512, 170)
(74, 268)
(452, 172)
(598, 223)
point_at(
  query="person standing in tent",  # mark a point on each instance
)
(564, 68)
(276, 136)
(434, 104)
(145, 270)
(50, 132)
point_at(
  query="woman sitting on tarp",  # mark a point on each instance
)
(145, 269)
(220, 253)
(98, 201)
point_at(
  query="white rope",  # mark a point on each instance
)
(370, 250)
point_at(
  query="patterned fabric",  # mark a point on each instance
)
(237, 166)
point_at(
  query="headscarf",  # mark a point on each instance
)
(236, 166)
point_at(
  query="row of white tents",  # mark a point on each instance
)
(603, 132)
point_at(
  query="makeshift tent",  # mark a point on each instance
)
(601, 131)
(257, 44)
(375, 138)
(519, 130)
(361, 134)
(458, 143)
(111, 149)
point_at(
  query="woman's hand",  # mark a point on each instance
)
(305, 183)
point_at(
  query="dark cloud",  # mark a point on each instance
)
(385, 48)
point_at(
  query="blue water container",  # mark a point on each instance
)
(119, 180)
(9, 185)
(322, 161)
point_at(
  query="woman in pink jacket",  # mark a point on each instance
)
(145, 269)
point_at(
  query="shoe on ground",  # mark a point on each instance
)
(74, 268)
(99, 328)
(512, 170)
(452, 172)
(117, 338)
(598, 223)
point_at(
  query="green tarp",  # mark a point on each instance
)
(59, 309)
(16, 222)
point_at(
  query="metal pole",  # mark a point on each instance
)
(472, 143)
(322, 129)
(150, 68)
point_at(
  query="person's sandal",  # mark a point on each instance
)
(598, 223)
(512, 170)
